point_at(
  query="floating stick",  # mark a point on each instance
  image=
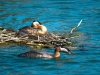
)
(79, 23)
(73, 29)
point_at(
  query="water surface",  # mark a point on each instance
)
(57, 16)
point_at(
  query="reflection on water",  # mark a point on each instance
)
(57, 16)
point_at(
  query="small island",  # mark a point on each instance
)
(47, 40)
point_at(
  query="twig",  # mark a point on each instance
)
(73, 29)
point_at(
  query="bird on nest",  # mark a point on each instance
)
(35, 29)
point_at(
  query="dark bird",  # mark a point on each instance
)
(41, 54)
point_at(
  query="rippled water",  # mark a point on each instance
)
(56, 15)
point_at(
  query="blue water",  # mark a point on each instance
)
(57, 16)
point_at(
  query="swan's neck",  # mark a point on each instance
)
(57, 52)
(43, 28)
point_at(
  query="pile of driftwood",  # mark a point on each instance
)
(47, 40)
